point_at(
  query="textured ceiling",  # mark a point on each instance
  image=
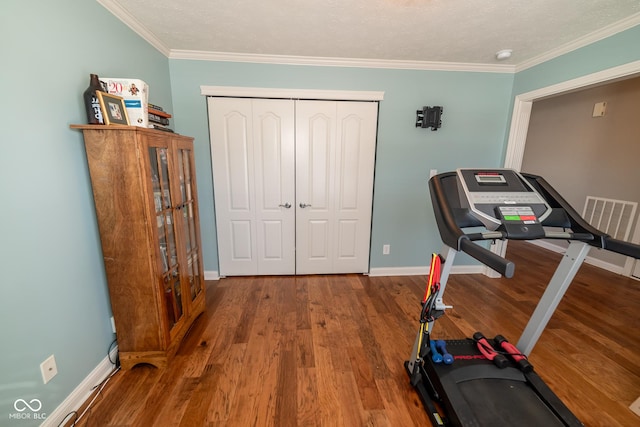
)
(450, 31)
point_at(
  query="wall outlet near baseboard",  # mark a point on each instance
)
(113, 325)
(386, 249)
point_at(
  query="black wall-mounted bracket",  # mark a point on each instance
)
(429, 117)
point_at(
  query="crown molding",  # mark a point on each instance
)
(608, 75)
(283, 93)
(339, 62)
(586, 40)
(130, 21)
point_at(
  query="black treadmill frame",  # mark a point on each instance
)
(440, 385)
(427, 377)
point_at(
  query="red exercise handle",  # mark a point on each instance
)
(515, 354)
(433, 282)
(489, 352)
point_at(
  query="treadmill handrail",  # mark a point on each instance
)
(578, 224)
(622, 247)
(488, 258)
(501, 235)
(449, 230)
(453, 236)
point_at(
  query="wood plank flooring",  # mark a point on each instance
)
(329, 350)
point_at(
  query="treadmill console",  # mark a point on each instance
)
(503, 200)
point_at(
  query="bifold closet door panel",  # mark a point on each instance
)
(335, 160)
(274, 164)
(252, 149)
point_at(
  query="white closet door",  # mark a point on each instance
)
(252, 150)
(335, 159)
(274, 162)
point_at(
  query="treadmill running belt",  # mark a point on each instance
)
(502, 402)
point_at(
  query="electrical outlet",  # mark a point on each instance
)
(433, 172)
(49, 369)
(386, 249)
(113, 325)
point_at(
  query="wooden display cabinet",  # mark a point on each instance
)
(146, 203)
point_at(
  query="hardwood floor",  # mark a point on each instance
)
(329, 350)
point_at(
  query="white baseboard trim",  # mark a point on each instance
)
(548, 245)
(82, 392)
(617, 269)
(605, 265)
(468, 269)
(422, 271)
(211, 275)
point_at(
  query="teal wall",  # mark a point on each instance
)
(54, 294)
(472, 134)
(55, 298)
(619, 49)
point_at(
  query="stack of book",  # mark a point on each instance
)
(158, 118)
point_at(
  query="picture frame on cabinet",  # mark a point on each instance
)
(114, 111)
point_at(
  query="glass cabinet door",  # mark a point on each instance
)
(188, 209)
(165, 222)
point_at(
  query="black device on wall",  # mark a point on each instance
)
(429, 117)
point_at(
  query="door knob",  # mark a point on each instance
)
(304, 205)
(286, 205)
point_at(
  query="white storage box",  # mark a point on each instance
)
(136, 98)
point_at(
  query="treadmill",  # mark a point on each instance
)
(488, 381)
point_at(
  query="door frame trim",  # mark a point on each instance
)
(523, 104)
(212, 92)
(282, 93)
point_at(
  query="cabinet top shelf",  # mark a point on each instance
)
(120, 127)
